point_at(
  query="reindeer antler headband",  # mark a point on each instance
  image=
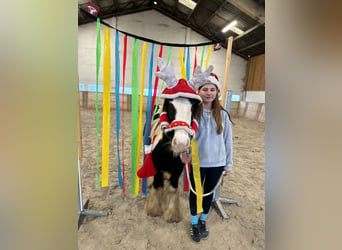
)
(181, 88)
(200, 77)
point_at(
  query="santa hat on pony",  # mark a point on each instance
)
(180, 88)
(174, 88)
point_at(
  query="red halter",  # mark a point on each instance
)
(167, 127)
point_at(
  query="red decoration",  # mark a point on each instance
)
(147, 168)
(217, 46)
(93, 9)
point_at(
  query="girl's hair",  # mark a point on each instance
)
(217, 107)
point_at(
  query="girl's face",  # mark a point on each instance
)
(208, 93)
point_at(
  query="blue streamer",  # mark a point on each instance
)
(188, 64)
(117, 101)
(147, 129)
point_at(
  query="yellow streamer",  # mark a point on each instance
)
(182, 63)
(106, 108)
(197, 175)
(141, 98)
(208, 56)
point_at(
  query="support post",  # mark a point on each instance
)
(226, 71)
(216, 199)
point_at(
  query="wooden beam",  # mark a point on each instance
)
(252, 45)
(248, 31)
(226, 71)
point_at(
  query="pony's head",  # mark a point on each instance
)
(180, 106)
(180, 124)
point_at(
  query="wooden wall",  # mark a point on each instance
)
(250, 110)
(256, 73)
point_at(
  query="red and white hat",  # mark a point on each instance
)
(213, 78)
(182, 89)
(174, 88)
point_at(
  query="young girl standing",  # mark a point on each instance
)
(215, 147)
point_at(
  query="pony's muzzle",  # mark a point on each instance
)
(180, 142)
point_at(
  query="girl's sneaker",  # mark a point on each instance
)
(194, 233)
(203, 230)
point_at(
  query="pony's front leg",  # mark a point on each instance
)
(153, 204)
(172, 211)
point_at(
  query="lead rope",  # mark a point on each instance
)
(204, 195)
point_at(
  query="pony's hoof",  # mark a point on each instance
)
(152, 211)
(172, 215)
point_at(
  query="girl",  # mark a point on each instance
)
(214, 141)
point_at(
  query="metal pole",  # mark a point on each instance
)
(82, 211)
(218, 203)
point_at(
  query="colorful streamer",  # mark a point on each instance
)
(182, 63)
(117, 101)
(147, 130)
(162, 85)
(141, 99)
(185, 178)
(123, 109)
(106, 108)
(156, 85)
(197, 175)
(208, 56)
(203, 48)
(98, 57)
(188, 64)
(195, 63)
(134, 113)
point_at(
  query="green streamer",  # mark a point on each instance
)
(135, 94)
(202, 55)
(98, 57)
(162, 85)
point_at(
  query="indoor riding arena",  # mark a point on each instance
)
(117, 65)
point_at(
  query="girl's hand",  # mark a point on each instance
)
(226, 172)
(186, 158)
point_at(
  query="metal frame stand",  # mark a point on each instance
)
(83, 205)
(218, 203)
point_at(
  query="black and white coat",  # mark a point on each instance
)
(168, 143)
